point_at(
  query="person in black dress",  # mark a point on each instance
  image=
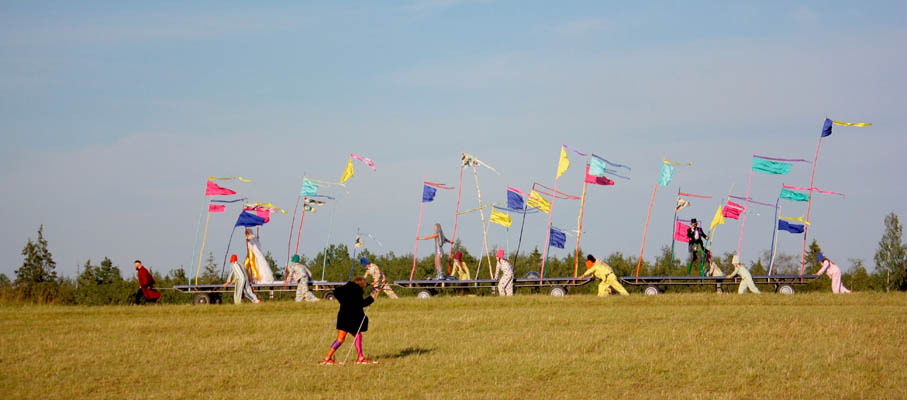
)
(351, 319)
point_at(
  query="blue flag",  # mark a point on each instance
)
(428, 193)
(514, 200)
(792, 228)
(558, 238)
(248, 219)
(826, 128)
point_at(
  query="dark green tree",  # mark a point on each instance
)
(36, 279)
(891, 257)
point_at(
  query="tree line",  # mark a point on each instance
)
(36, 280)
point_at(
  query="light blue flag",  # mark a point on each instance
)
(667, 173)
(309, 188)
(599, 166)
(770, 167)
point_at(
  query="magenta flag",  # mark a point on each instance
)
(216, 208)
(680, 232)
(366, 160)
(597, 180)
(732, 210)
(214, 190)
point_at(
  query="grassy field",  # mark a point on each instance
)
(667, 346)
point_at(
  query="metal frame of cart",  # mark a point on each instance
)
(783, 284)
(430, 287)
(211, 293)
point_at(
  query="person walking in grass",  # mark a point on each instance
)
(696, 235)
(146, 292)
(379, 280)
(351, 319)
(460, 269)
(833, 272)
(746, 280)
(505, 283)
(241, 287)
(440, 241)
(300, 273)
(603, 271)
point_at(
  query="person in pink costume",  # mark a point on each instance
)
(833, 272)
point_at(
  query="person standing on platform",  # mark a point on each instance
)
(696, 235)
(440, 241)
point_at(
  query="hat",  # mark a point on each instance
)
(295, 258)
(735, 260)
(694, 221)
(233, 258)
(458, 256)
(363, 261)
(820, 257)
(500, 253)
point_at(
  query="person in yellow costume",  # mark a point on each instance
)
(460, 270)
(600, 270)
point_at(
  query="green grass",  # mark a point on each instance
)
(667, 346)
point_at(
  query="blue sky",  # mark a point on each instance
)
(113, 114)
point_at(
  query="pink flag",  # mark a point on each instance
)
(680, 232)
(216, 208)
(264, 213)
(366, 160)
(732, 210)
(214, 190)
(597, 180)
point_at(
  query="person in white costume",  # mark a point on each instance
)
(256, 264)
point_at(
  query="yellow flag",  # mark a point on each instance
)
(563, 164)
(718, 219)
(348, 172)
(852, 123)
(501, 218)
(229, 178)
(798, 219)
(537, 201)
(669, 162)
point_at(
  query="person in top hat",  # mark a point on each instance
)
(833, 272)
(696, 235)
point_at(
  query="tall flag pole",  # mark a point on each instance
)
(516, 202)
(667, 174)
(469, 160)
(678, 206)
(765, 165)
(596, 168)
(771, 252)
(212, 189)
(826, 131)
(562, 165)
(456, 217)
(429, 189)
(718, 219)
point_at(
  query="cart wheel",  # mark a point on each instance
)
(558, 291)
(786, 289)
(328, 296)
(651, 291)
(215, 298)
(202, 298)
(424, 294)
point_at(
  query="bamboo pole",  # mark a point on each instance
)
(324, 251)
(548, 230)
(809, 205)
(484, 227)
(292, 222)
(418, 229)
(746, 207)
(645, 231)
(579, 231)
(202, 251)
(456, 221)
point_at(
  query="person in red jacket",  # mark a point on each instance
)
(146, 290)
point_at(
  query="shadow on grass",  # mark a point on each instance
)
(409, 351)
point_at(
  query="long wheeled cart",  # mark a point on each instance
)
(430, 287)
(207, 294)
(783, 284)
